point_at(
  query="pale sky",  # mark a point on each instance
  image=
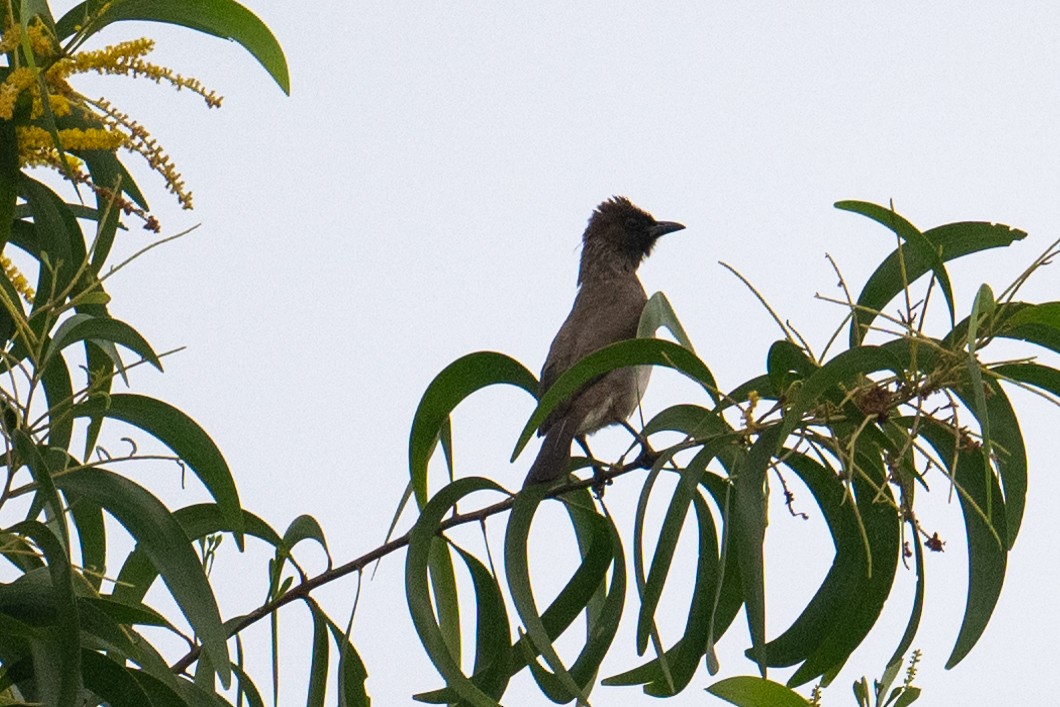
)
(422, 194)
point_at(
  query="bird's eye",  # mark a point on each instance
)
(632, 222)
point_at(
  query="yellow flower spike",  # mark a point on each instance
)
(18, 280)
(16, 82)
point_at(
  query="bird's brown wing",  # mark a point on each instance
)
(602, 315)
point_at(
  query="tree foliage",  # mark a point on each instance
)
(863, 429)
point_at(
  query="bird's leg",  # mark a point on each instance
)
(599, 480)
(647, 455)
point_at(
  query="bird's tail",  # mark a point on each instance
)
(553, 460)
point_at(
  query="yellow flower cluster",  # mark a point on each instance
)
(37, 146)
(18, 280)
(139, 140)
(41, 40)
(126, 59)
(32, 138)
(16, 82)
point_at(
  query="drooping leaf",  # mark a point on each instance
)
(516, 563)
(458, 380)
(986, 534)
(222, 18)
(749, 517)
(182, 435)
(163, 541)
(949, 241)
(418, 592)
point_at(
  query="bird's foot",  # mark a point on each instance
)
(601, 480)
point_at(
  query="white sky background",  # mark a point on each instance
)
(422, 194)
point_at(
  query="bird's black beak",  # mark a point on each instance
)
(661, 228)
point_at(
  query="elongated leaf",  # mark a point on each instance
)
(164, 542)
(57, 666)
(926, 251)
(516, 563)
(492, 636)
(881, 532)
(181, 434)
(9, 170)
(1036, 323)
(1044, 377)
(683, 658)
(749, 517)
(318, 668)
(659, 313)
(458, 380)
(994, 413)
(950, 241)
(111, 681)
(221, 18)
(418, 593)
(58, 237)
(87, 518)
(813, 625)
(577, 595)
(987, 557)
(84, 326)
(305, 527)
(918, 599)
(352, 673)
(444, 590)
(635, 352)
(750, 691)
(59, 393)
(198, 520)
(785, 364)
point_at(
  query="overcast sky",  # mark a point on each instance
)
(422, 194)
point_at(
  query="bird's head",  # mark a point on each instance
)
(619, 236)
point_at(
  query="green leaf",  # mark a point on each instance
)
(1007, 450)
(305, 527)
(57, 664)
(221, 18)
(112, 681)
(163, 541)
(750, 691)
(987, 557)
(418, 592)
(813, 625)
(658, 313)
(1036, 323)
(444, 590)
(925, 250)
(318, 668)
(749, 517)
(787, 363)
(182, 435)
(458, 380)
(492, 639)
(352, 673)
(918, 598)
(949, 241)
(81, 327)
(880, 525)
(1044, 377)
(9, 171)
(516, 563)
(635, 352)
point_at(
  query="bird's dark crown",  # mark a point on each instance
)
(617, 238)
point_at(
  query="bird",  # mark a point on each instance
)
(606, 310)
